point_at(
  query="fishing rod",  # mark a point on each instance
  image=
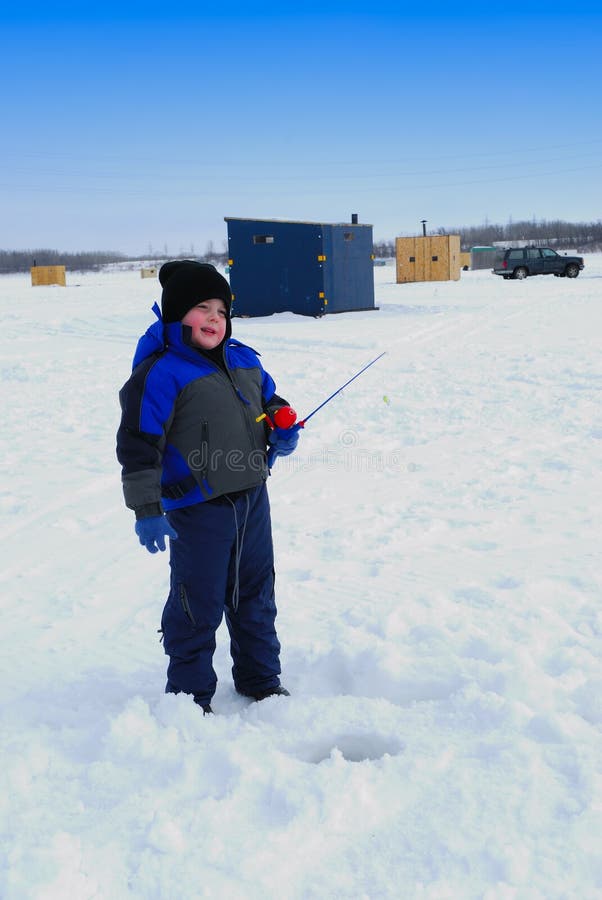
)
(301, 424)
(286, 417)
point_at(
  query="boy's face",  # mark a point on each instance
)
(208, 322)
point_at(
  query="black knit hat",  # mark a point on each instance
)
(185, 283)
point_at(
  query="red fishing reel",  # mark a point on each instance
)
(285, 417)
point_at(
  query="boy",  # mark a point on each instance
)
(192, 446)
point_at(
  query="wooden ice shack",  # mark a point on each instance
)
(428, 258)
(48, 275)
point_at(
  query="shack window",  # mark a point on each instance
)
(263, 238)
(434, 258)
(412, 259)
(348, 235)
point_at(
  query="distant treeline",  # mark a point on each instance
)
(23, 260)
(584, 237)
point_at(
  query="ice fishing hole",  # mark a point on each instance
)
(352, 747)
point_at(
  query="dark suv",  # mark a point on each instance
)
(524, 261)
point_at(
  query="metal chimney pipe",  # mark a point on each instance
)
(424, 221)
(354, 218)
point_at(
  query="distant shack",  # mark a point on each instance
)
(482, 257)
(309, 268)
(48, 275)
(428, 258)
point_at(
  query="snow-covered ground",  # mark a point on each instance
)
(439, 591)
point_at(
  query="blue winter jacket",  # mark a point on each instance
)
(191, 431)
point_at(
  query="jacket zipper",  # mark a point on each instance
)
(246, 416)
(205, 448)
(244, 409)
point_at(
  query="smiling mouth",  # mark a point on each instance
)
(210, 331)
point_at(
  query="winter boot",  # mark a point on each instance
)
(277, 691)
(206, 707)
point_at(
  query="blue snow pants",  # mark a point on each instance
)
(222, 562)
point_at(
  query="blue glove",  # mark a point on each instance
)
(283, 441)
(152, 532)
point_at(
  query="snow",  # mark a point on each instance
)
(438, 581)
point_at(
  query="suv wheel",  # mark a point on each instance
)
(520, 272)
(571, 271)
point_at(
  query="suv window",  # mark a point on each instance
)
(515, 254)
(548, 252)
(533, 253)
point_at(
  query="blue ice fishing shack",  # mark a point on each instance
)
(310, 268)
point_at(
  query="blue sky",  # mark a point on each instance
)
(142, 125)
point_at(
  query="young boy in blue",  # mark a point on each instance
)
(192, 445)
